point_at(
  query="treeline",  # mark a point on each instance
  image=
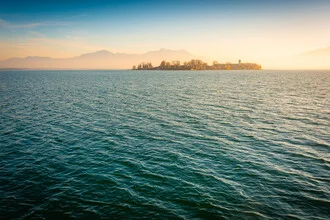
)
(198, 65)
(143, 66)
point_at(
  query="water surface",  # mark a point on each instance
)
(157, 144)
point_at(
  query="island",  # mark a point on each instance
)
(198, 65)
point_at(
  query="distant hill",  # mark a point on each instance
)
(320, 52)
(315, 59)
(97, 60)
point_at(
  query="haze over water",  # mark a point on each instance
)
(165, 144)
(275, 34)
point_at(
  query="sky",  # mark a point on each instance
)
(265, 32)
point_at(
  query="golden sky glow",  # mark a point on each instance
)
(271, 34)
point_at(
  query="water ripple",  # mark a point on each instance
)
(181, 145)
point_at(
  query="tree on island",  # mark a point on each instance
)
(162, 65)
(144, 66)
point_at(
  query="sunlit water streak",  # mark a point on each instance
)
(196, 144)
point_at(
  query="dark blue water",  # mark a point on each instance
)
(182, 145)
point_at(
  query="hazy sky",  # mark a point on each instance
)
(257, 31)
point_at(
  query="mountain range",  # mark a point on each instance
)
(102, 59)
(314, 59)
(318, 53)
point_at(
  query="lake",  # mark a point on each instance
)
(165, 144)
